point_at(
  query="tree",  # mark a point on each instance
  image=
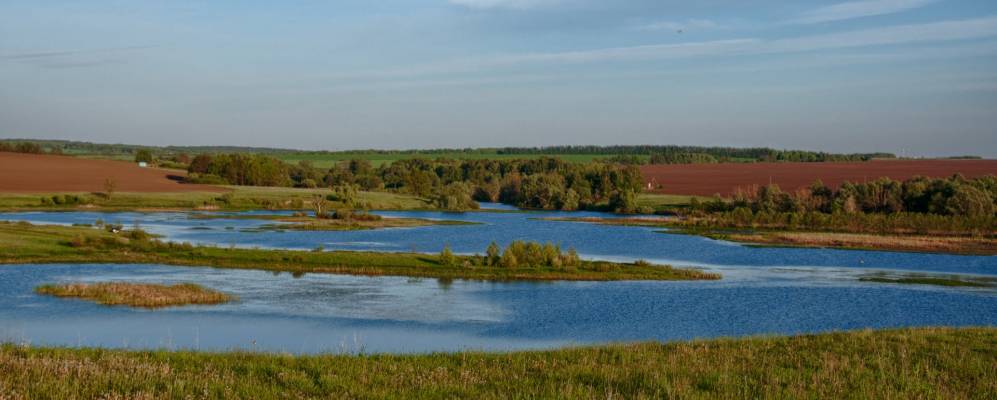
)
(110, 185)
(492, 255)
(143, 155)
(623, 202)
(447, 257)
(509, 259)
(969, 201)
(321, 206)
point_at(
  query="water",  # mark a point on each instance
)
(764, 291)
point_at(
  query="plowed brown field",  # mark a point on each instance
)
(710, 179)
(32, 173)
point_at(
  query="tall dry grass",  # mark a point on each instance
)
(137, 294)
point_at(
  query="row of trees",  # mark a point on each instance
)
(946, 196)
(241, 169)
(879, 223)
(27, 148)
(547, 183)
(520, 254)
(723, 153)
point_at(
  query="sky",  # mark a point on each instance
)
(912, 77)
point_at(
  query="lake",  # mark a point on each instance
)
(764, 291)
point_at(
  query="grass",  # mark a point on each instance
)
(838, 240)
(24, 243)
(900, 364)
(137, 294)
(662, 202)
(865, 241)
(237, 198)
(925, 280)
(310, 223)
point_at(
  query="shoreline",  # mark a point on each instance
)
(936, 244)
(50, 244)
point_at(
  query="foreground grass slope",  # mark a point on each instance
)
(917, 363)
(24, 243)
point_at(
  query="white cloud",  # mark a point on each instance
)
(859, 9)
(512, 4)
(692, 24)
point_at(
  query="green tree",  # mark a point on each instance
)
(143, 155)
(492, 255)
(447, 257)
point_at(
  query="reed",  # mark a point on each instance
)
(137, 294)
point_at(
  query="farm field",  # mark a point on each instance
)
(711, 179)
(34, 173)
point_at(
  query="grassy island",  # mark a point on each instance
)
(137, 294)
(306, 222)
(25, 243)
(785, 237)
(910, 363)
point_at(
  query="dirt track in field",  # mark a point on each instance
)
(33, 173)
(710, 179)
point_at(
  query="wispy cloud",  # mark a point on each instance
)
(896, 35)
(509, 4)
(66, 59)
(692, 24)
(859, 9)
(68, 53)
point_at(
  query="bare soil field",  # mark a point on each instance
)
(710, 179)
(33, 173)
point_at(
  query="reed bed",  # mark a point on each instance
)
(143, 295)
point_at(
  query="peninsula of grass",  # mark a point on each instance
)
(926, 280)
(142, 295)
(919, 243)
(25, 243)
(236, 198)
(924, 363)
(306, 222)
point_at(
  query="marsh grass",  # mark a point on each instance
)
(862, 241)
(25, 243)
(927, 280)
(899, 364)
(954, 244)
(236, 198)
(137, 294)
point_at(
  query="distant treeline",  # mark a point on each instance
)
(546, 183)
(697, 153)
(667, 154)
(78, 147)
(28, 148)
(921, 205)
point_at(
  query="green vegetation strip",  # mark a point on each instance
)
(924, 280)
(901, 364)
(137, 294)
(34, 244)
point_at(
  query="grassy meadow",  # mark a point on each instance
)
(24, 243)
(900, 364)
(236, 198)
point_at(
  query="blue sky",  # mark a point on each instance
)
(912, 76)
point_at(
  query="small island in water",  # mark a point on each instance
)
(144, 295)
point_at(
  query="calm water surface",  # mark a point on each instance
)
(764, 290)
